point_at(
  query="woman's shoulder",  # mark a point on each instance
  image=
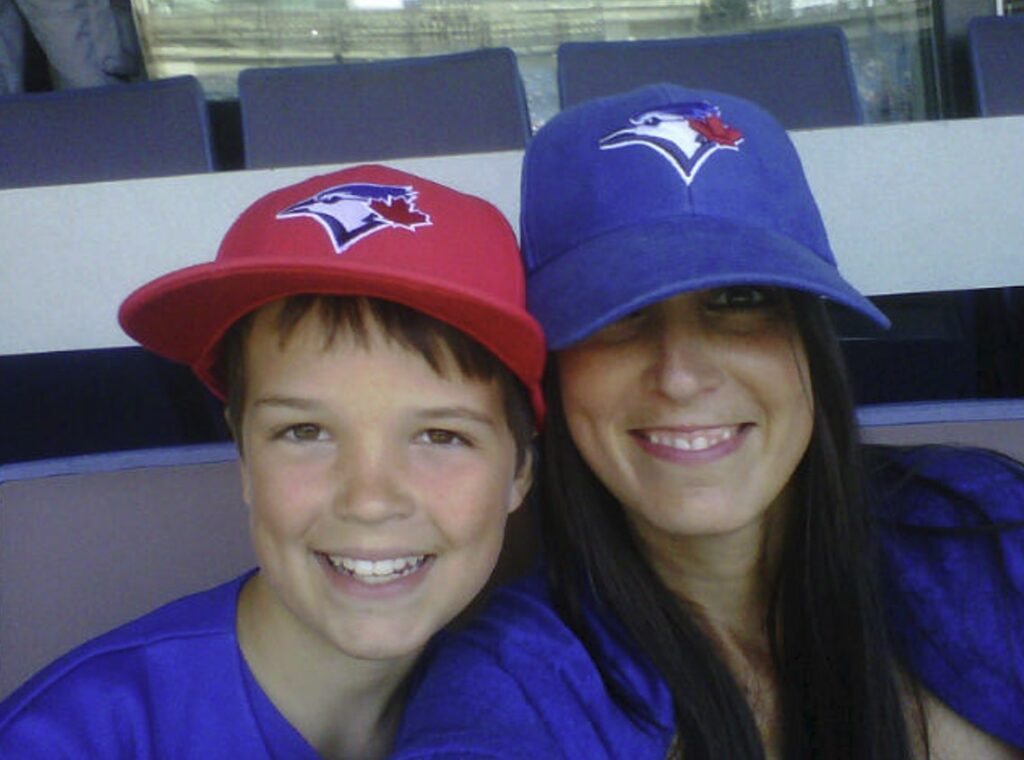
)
(120, 677)
(517, 637)
(516, 682)
(518, 621)
(946, 486)
(951, 524)
(951, 737)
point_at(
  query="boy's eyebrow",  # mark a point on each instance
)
(431, 413)
(286, 401)
(465, 412)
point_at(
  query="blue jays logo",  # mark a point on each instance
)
(351, 212)
(685, 134)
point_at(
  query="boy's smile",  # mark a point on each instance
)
(378, 488)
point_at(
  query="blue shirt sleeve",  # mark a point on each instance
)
(952, 534)
(518, 684)
(470, 707)
(172, 684)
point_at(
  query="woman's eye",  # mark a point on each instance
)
(439, 436)
(743, 297)
(305, 431)
(621, 329)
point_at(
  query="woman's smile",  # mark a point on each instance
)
(695, 411)
(696, 445)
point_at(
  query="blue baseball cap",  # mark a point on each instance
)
(630, 199)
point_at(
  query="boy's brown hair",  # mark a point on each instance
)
(435, 341)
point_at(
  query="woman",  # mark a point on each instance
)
(726, 580)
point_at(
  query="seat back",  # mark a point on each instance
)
(69, 403)
(995, 47)
(470, 102)
(88, 543)
(996, 424)
(94, 134)
(802, 76)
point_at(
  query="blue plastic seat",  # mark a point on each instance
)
(803, 76)
(148, 129)
(78, 402)
(469, 102)
(996, 50)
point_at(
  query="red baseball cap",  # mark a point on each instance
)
(368, 231)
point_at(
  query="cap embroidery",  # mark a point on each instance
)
(351, 212)
(685, 134)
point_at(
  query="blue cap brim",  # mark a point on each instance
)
(629, 268)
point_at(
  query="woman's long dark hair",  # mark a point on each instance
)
(839, 687)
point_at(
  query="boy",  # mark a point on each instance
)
(368, 332)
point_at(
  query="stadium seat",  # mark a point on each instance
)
(996, 424)
(67, 403)
(471, 102)
(93, 134)
(802, 75)
(88, 543)
(78, 402)
(996, 51)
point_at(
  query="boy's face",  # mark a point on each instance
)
(378, 489)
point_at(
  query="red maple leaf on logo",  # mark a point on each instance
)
(714, 129)
(399, 212)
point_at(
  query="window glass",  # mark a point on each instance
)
(890, 40)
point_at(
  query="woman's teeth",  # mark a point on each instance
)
(699, 441)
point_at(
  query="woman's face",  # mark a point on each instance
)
(693, 412)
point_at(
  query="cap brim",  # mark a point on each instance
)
(184, 315)
(630, 268)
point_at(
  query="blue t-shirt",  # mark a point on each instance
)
(517, 683)
(172, 684)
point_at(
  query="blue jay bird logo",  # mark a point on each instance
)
(351, 212)
(685, 134)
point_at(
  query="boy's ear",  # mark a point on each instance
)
(236, 435)
(243, 469)
(523, 480)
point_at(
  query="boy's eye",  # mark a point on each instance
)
(743, 297)
(305, 431)
(439, 436)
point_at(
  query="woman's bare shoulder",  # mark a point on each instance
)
(952, 737)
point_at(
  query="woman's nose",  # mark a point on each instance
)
(685, 360)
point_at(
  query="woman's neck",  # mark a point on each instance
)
(726, 577)
(343, 706)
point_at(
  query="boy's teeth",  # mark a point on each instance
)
(377, 571)
(693, 441)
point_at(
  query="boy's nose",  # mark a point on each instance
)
(370, 488)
